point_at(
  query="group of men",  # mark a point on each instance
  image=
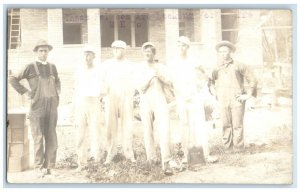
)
(114, 82)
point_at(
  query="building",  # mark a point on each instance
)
(69, 29)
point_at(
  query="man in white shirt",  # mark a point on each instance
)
(190, 107)
(118, 77)
(154, 108)
(89, 117)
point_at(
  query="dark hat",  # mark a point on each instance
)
(40, 43)
(227, 44)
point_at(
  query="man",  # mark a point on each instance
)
(119, 82)
(154, 107)
(228, 79)
(90, 119)
(44, 92)
(190, 107)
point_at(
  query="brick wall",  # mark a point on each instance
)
(40, 23)
(34, 26)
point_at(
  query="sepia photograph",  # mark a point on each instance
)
(149, 95)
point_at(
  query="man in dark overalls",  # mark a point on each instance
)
(44, 92)
(229, 79)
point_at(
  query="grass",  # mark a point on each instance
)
(123, 171)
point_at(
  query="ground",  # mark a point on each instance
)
(266, 160)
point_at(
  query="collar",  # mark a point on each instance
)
(227, 63)
(42, 62)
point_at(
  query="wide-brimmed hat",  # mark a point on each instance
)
(40, 43)
(227, 44)
(184, 40)
(119, 44)
(147, 44)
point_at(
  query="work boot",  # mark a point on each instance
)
(211, 159)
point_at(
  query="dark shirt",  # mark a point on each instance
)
(29, 73)
(229, 82)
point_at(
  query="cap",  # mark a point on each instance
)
(184, 40)
(119, 44)
(147, 44)
(89, 48)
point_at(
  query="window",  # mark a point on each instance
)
(130, 28)
(74, 26)
(14, 28)
(229, 24)
(186, 23)
(141, 29)
(72, 33)
(107, 30)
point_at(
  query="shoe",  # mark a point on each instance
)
(48, 172)
(40, 172)
(211, 159)
(169, 167)
(238, 150)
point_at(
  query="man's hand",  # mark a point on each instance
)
(243, 97)
(28, 94)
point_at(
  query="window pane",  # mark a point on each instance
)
(230, 36)
(72, 33)
(74, 26)
(141, 30)
(186, 23)
(124, 28)
(107, 30)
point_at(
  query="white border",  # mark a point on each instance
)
(138, 2)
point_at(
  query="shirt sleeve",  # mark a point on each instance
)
(15, 79)
(251, 80)
(57, 80)
(164, 75)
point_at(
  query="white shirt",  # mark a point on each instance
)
(88, 82)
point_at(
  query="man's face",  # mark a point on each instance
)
(148, 54)
(89, 57)
(42, 53)
(182, 48)
(224, 53)
(118, 52)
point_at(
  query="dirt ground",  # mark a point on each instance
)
(266, 160)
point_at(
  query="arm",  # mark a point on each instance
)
(164, 75)
(251, 80)
(57, 80)
(14, 80)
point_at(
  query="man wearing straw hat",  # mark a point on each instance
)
(44, 90)
(228, 79)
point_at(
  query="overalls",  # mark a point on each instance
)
(43, 120)
(229, 84)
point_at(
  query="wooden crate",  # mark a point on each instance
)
(17, 135)
(17, 164)
(18, 149)
(16, 120)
